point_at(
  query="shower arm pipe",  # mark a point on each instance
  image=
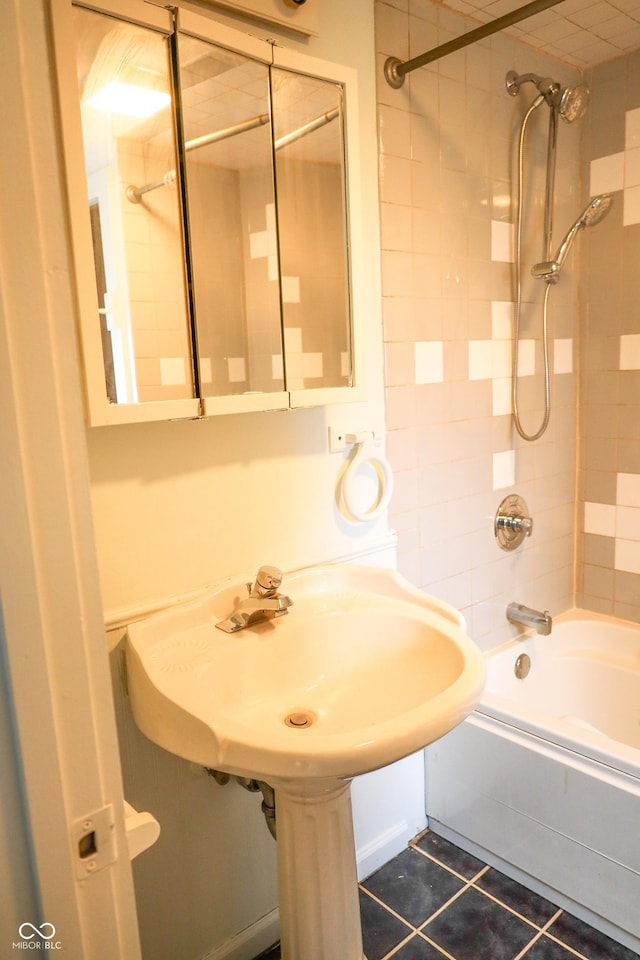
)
(134, 194)
(395, 70)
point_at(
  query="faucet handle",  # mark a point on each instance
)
(512, 523)
(268, 580)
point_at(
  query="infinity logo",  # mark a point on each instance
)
(37, 931)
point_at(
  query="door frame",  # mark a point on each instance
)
(49, 584)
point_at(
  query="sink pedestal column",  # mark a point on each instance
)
(317, 881)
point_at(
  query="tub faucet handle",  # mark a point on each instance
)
(520, 524)
(512, 522)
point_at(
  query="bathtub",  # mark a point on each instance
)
(543, 779)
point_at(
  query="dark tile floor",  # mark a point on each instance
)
(435, 901)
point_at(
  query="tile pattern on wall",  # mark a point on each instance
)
(446, 140)
(609, 543)
(620, 172)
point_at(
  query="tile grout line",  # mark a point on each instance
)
(511, 910)
(567, 947)
(432, 943)
(472, 883)
(541, 932)
(389, 909)
(444, 906)
(455, 873)
(398, 946)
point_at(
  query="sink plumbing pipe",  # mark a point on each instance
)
(364, 453)
(253, 786)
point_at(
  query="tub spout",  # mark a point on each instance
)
(539, 621)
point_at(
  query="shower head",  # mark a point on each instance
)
(573, 102)
(569, 102)
(595, 211)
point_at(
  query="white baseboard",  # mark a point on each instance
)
(251, 941)
(383, 848)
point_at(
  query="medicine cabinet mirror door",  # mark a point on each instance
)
(322, 273)
(228, 149)
(214, 200)
(312, 226)
(137, 334)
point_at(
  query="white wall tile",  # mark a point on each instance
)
(563, 356)
(277, 366)
(632, 129)
(607, 174)
(293, 339)
(504, 469)
(630, 351)
(628, 523)
(291, 289)
(627, 555)
(206, 369)
(600, 518)
(501, 319)
(502, 354)
(501, 397)
(429, 361)
(631, 212)
(172, 371)
(502, 241)
(632, 167)
(628, 490)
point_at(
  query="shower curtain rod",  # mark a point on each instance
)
(134, 194)
(395, 69)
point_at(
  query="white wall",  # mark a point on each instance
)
(178, 505)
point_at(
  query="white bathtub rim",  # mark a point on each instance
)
(567, 733)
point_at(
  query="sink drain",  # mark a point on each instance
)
(299, 719)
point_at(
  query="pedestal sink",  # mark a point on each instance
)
(362, 671)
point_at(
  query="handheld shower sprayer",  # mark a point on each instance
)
(595, 211)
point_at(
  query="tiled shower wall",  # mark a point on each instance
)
(609, 568)
(446, 155)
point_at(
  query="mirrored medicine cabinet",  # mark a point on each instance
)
(214, 210)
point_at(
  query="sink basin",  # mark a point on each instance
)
(363, 670)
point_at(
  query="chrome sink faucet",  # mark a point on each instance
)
(263, 603)
(540, 621)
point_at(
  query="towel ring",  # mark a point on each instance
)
(364, 453)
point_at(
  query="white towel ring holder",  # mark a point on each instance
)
(364, 453)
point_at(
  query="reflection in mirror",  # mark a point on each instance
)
(232, 221)
(312, 227)
(128, 135)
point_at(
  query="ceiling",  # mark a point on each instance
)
(580, 32)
